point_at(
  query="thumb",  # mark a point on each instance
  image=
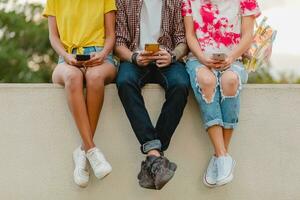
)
(93, 54)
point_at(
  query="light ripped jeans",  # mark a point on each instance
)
(221, 110)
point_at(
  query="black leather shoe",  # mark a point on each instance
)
(160, 172)
(144, 177)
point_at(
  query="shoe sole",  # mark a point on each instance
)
(78, 182)
(227, 179)
(102, 176)
(208, 184)
(164, 181)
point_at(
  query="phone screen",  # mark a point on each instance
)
(83, 57)
(152, 47)
(219, 56)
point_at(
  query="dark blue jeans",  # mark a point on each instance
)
(175, 81)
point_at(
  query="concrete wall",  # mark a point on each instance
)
(38, 135)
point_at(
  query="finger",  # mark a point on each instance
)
(94, 59)
(153, 57)
(146, 53)
(93, 54)
(145, 62)
(162, 64)
(94, 64)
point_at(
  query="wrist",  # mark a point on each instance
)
(201, 57)
(105, 52)
(64, 54)
(173, 57)
(133, 58)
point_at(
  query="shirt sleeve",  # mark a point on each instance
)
(122, 31)
(49, 9)
(186, 9)
(109, 5)
(249, 8)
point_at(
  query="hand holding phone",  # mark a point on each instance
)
(153, 48)
(80, 57)
(219, 57)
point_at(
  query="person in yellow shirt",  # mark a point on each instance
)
(83, 34)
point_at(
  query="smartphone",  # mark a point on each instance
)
(152, 47)
(219, 56)
(80, 57)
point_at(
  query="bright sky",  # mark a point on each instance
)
(283, 15)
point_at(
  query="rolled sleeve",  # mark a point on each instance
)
(49, 9)
(109, 5)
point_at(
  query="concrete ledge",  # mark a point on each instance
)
(38, 135)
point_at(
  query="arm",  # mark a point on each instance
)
(123, 39)
(246, 40)
(194, 44)
(122, 34)
(181, 48)
(110, 38)
(56, 43)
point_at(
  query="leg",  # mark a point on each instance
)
(227, 134)
(72, 78)
(208, 83)
(129, 82)
(205, 85)
(96, 79)
(175, 81)
(230, 103)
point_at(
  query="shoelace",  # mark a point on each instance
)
(155, 167)
(95, 158)
(221, 167)
(81, 162)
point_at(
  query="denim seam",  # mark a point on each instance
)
(140, 79)
(166, 80)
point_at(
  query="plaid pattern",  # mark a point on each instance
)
(128, 24)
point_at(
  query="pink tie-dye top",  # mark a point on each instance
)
(217, 23)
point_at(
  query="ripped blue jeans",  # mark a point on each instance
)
(221, 110)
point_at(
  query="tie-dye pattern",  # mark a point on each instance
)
(217, 23)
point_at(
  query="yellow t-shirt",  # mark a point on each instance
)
(80, 22)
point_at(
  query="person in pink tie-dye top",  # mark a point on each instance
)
(218, 33)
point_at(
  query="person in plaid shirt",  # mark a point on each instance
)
(139, 22)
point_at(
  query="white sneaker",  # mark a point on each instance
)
(98, 163)
(210, 175)
(81, 173)
(225, 166)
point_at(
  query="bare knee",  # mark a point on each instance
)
(229, 83)
(94, 80)
(74, 81)
(207, 81)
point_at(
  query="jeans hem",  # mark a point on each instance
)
(214, 123)
(151, 145)
(230, 125)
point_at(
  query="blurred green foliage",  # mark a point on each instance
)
(25, 52)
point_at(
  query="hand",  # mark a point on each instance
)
(163, 58)
(143, 59)
(227, 63)
(97, 58)
(71, 60)
(210, 63)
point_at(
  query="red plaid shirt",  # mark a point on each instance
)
(128, 24)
